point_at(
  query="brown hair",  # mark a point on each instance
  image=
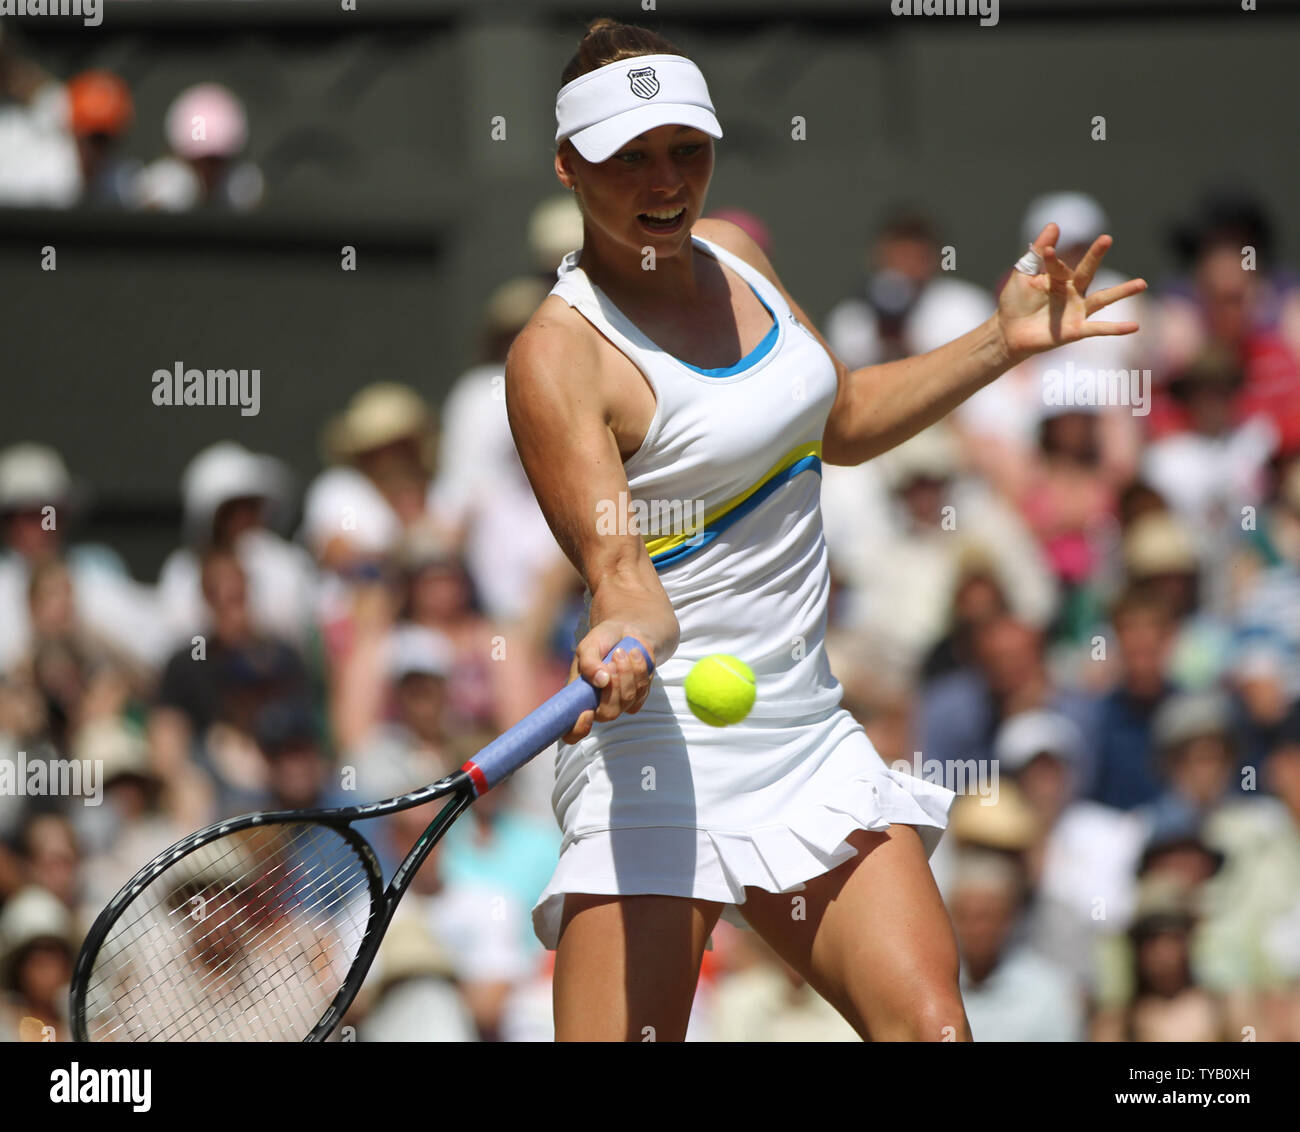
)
(608, 41)
(1138, 602)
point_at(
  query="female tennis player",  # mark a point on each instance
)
(669, 368)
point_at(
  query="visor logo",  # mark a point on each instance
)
(644, 83)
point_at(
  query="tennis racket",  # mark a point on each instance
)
(262, 928)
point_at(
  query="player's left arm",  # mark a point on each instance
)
(878, 407)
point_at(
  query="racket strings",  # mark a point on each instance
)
(232, 978)
(249, 937)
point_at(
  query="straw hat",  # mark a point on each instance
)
(1008, 823)
(554, 230)
(378, 415)
(1164, 903)
(1158, 543)
(930, 454)
(512, 304)
(118, 749)
(409, 951)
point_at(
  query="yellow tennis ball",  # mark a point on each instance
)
(720, 690)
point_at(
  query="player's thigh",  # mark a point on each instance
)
(625, 963)
(873, 937)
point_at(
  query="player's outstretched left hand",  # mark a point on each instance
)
(1043, 311)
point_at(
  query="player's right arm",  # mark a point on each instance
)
(561, 414)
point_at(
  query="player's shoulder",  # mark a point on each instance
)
(555, 340)
(738, 242)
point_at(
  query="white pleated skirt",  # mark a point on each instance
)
(655, 803)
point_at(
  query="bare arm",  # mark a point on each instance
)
(878, 407)
(559, 407)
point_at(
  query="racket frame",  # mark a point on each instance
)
(383, 901)
(494, 763)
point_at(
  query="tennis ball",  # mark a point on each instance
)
(720, 690)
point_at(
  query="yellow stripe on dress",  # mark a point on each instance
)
(665, 550)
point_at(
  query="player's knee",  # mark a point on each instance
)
(940, 1017)
(934, 1015)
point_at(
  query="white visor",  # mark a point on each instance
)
(604, 109)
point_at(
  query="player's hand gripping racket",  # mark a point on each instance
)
(263, 927)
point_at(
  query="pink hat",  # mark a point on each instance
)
(751, 224)
(205, 121)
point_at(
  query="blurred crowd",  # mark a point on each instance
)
(1081, 610)
(63, 144)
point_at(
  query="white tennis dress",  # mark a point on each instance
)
(659, 802)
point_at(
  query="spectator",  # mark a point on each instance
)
(476, 924)
(1267, 614)
(100, 113)
(355, 513)
(905, 304)
(38, 503)
(211, 692)
(1082, 863)
(37, 947)
(1143, 631)
(1198, 758)
(231, 500)
(481, 489)
(1253, 952)
(1160, 562)
(959, 714)
(52, 857)
(1167, 1005)
(978, 597)
(942, 520)
(1238, 301)
(500, 845)
(298, 773)
(38, 160)
(1069, 504)
(411, 665)
(1214, 473)
(1010, 993)
(410, 994)
(491, 685)
(762, 999)
(554, 230)
(71, 667)
(206, 130)
(141, 814)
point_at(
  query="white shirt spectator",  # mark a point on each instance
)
(281, 587)
(423, 1009)
(109, 603)
(481, 930)
(1024, 999)
(481, 486)
(343, 503)
(903, 583)
(1208, 479)
(946, 309)
(38, 157)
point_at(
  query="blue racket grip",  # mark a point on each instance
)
(539, 729)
